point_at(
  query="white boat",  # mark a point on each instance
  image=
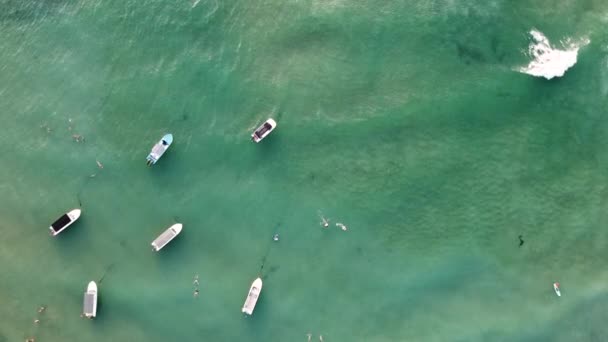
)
(64, 221)
(263, 130)
(159, 149)
(556, 288)
(163, 239)
(89, 306)
(252, 296)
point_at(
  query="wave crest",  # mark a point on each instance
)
(550, 62)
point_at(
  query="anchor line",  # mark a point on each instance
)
(105, 272)
(266, 256)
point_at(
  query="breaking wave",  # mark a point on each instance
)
(550, 62)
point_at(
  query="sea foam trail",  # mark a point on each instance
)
(549, 62)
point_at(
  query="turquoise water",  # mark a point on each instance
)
(404, 120)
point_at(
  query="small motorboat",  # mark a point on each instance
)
(163, 239)
(64, 221)
(556, 288)
(252, 296)
(89, 306)
(159, 149)
(263, 130)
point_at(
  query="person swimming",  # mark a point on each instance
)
(320, 338)
(275, 237)
(324, 222)
(196, 293)
(195, 282)
(521, 240)
(342, 226)
(309, 335)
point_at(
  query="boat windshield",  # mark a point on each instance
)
(263, 129)
(61, 222)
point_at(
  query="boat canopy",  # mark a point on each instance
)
(263, 129)
(61, 222)
(89, 304)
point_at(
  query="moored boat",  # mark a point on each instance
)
(89, 306)
(159, 149)
(556, 289)
(263, 131)
(64, 221)
(252, 296)
(163, 239)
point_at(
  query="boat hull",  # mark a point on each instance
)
(556, 289)
(264, 130)
(64, 221)
(167, 236)
(252, 297)
(90, 301)
(159, 149)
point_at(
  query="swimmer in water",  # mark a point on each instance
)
(320, 338)
(46, 127)
(99, 164)
(521, 240)
(342, 226)
(196, 293)
(275, 237)
(324, 222)
(78, 138)
(41, 309)
(195, 282)
(309, 335)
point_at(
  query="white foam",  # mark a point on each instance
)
(550, 62)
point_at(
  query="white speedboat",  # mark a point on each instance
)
(556, 289)
(89, 306)
(163, 239)
(263, 130)
(159, 149)
(252, 296)
(64, 221)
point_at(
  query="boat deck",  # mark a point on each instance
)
(158, 149)
(164, 238)
(252, 299)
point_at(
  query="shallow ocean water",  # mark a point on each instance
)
(404, 120)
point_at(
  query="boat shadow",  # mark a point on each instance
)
(175, 249)
(99, 317)
(262, 152)
(73, 233)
